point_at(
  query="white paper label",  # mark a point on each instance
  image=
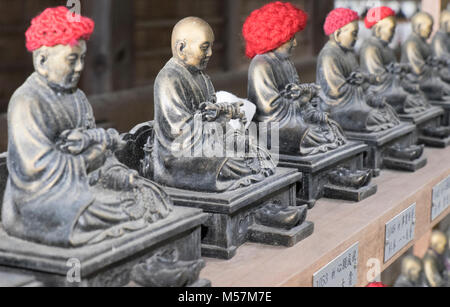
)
(341, 272)
(399, 232)
(441, 198)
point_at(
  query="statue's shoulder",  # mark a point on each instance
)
(26, 96)
(261, 62)
(171, 72)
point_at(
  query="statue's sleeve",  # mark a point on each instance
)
(373, 61)
(432, 274)
(415, 58)
(263, 89)
(334, 83)
(174, 113)
(32, 141)
(440, 49)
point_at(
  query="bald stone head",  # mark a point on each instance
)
(192, 42)
(438, 242)
(445, 21)
(422, 24)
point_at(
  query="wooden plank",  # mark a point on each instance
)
(338, 225)
(232, 34)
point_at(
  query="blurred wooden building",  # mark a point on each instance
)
(131, 44)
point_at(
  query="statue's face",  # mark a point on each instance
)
(346, 36)
(424, 26)
(61, 65)
(385, 29)
(198, 49)
(287, 48)
(440, 246)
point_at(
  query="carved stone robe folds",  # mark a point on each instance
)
(416, 51)
(181, 145)
(375, 56)
(57, 198)
(269, 75)
(441, 50)
(346, 102)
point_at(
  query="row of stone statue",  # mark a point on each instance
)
(79, 187)
(431, 271)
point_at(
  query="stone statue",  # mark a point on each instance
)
(412, 273)
(68, 197)
(424, 66)
(184, 97)
(65, 187)
(344, 86)
(378, 59)
(433, 261)
(441, 45)
(274, 85)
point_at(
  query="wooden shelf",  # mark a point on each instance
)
(338, 225)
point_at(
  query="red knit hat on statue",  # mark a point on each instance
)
(339, 18)
(57, 26)
(376, 14)
(271, 26)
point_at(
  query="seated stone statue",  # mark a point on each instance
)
(184, 101)
(418, 54)
(411, 273)
(344, 88)
(274, 85)
(433, 261)
(378, 59)
(65, 187)
(441, 45)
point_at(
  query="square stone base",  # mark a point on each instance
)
(107, 263)
(380, 142)
(315, 170)
(273, 236)
(332, 191)
(444, 104)
(430, 118)
(232, 213)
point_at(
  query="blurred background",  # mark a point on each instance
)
(131, 43)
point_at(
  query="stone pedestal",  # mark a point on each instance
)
(17, 278)
(380, 142)
(110, 262)
(444, 104)
(315, 184)
(430, 118)
(232, 220)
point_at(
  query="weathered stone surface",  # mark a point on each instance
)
(232, 213)
(315, 170)
(107, 263)
(380, 142)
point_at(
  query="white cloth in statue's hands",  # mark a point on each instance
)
(246, 107)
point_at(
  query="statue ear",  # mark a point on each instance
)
(180, 48)
(40, 58)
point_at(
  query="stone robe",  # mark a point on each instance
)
(441, 49)
(417, 52)
(346, 102)
(57, 198)
(181, 143)
(268, 77)
(375, 57)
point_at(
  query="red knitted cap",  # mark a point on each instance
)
(339, 18)
(271, 26)
(376, 14)
(57, 26)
